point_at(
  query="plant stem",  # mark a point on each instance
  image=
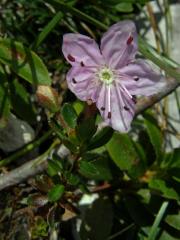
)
(26, 149)
(27, 170)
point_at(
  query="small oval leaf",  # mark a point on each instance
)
(56, 193)
(69, 115)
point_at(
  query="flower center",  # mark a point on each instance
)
(106, 75)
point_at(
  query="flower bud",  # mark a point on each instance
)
(48, 98)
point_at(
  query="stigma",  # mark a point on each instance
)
(105, 75)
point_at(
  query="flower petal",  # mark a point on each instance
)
(82, 82)
(119, 44)
(81, 50)
(140, 79)
(119, 111)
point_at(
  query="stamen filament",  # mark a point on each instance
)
(109, 99)
(125, 90)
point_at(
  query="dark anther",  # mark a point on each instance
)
(109, 115)
(71, 58)
(82, 64)
(135, 78)
(102, 108)
(74, 81)
(129, 41)
(134, 99)
(126, 108)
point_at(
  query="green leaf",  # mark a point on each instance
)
(124, 7)
(173, 220)
(137, 210)
(71, 178)
(39, 228)
(147, 147)
(167, 160)
(58, 129)
(98, 220)
(175, 159)
(54, 167)
(71, 146)
(56, 193)
(122, 151)
(141, 162)
(101, 138)
(23, 62)
(69, 115)
(20, 99)
(155, 134)
(154, 229)
(163, 187)
(78, 106)
(47, 29)
(166, 236)
(4, 99)
(86, 129)
(175, 174)
(97, 169)
(87, 168)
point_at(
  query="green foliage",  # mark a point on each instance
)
(124, 7)
(56, 193)
(69, 115)
(155, 134)
(86, 129)
(4, 99)
(136, 179)
(20, 99)
(23, 62)
(39, 229)
(99, 227)
(95, 167)
(163, 187)
(122, 152)
(47, 29)
(101, 138)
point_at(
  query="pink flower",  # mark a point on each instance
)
(110, 76)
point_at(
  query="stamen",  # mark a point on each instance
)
(74, 81)
(126, 108)
(71, 58)
(82, 64)
(109, 115)
(106, 75)
(129, 41)
(135, 78)
(134, 99)
(126, 91)
(109, 101)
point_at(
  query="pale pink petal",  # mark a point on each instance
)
(82, 82)
(80, 50)
(140, 79)
(119, 44)
(119, 111)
